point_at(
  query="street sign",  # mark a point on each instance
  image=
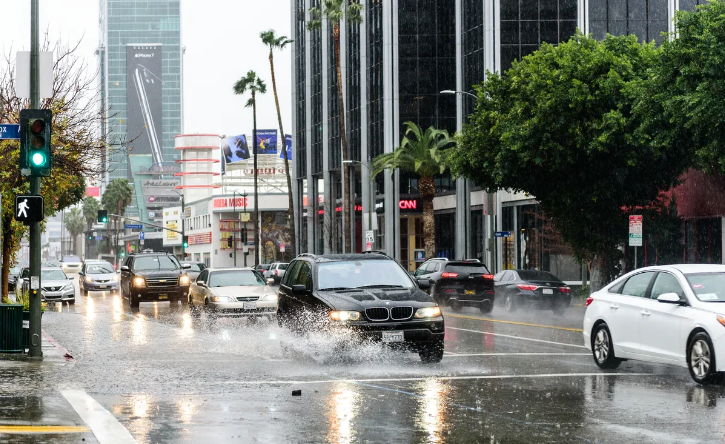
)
(133, 226)
(245, 249)
(141, 242)
(502, 234)
(99, 237)
(369, 236)
(28, 209)
(142, 236)
(9, 131)
(635, 231)
(282, 248)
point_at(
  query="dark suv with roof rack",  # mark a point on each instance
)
(368, 295)
(153, 277)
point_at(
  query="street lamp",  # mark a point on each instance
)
(183, 231)
(237, 219)
(370, 207)
(450, 91)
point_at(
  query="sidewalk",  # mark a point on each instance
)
(52, 352)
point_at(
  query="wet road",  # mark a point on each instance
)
(506, 378)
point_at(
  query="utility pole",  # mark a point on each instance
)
(244, 237)
(234, 227)
(183, 230)
(35, 343)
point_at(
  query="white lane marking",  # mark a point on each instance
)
(428, 378)
(465, 355)
(515, 337)
(102, 423)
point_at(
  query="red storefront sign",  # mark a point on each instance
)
(230, 202)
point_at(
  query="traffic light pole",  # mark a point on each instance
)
(244, 236)
(36, 350)
(183, 230)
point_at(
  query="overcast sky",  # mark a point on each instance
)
(222, 44)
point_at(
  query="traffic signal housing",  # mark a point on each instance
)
(186, 242)
(229, 242)
(35, 137)
(102, 216)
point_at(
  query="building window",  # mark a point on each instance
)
(374, 23)
(647, 19)
(353, 103)
(473, 52)
(445, 237)
(300, 89)
(316, 78)
(333, 105)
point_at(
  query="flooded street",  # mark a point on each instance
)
(167, 377)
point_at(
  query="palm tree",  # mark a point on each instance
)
(335, 11)
(270, 39)
(255, 85)
(90, 211)
(116, 198)
(422, 154)
(73, 221)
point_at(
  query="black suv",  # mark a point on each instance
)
(459, 283)
(153, 277)
(370, 295)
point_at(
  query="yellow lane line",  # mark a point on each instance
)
(24, 429)
(513, 322)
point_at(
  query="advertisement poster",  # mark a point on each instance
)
(266, 142)
(287, 146)
(143, 100)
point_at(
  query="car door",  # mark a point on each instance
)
(286, 297)
(661, 324)
(500, 281)
(624, 316)
(198, 292)
(304, 277)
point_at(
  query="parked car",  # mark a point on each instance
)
(195, 267)
(368, 295)
(13, 276)
(153, 277)
(533, 288)
(55, 285)
(276, 271)
(22, 277)
(71, 264)
(50, 264)
(668, 315)
(261, 268)
(97, 276)
(459, 283)
(232, 292)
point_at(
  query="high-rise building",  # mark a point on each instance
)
(395, 66)
(140, 61)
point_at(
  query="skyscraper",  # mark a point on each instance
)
(140, 61)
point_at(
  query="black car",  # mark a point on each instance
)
(153, 277)
(13, 276)
(369, 295)
(195, 267)
(534, 288)
(459, 283)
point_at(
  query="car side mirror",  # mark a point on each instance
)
(124, 268)
(669, 298)
(186, 266)
(70, 278)
(424, 284)
(201, 283)
(299, 289)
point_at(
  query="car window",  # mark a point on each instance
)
(708, 287)
(637, 284)
(99, 269)
(283, 266)
(235, 278)
(499, 276)
(52, 275)
(466, 268)
(71, 259)
(666, 283)
(291, 274)
(534, 275)
(202, 276)
(304, 276)
(436, 267)
(195, 266)
(155, 263)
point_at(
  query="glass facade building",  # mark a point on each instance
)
(141, 23)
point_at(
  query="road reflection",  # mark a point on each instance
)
(431, 412)
(342, 409)
(139, 329)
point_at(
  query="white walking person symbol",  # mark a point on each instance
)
(22, 206)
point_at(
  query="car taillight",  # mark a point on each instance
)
(527, 287)
(589, 300)
(488, 276)
(275, 273)
(448, 290)
(565, 289)
(448, 274)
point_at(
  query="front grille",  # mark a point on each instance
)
(401, 313)
(51, 288)
(102, 282)
(247, 298)
(162, 282)
(377, 314)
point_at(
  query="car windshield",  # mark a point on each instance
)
(15, 271)
(364, 273)
(155, 263)
(708, 287)
(99, 269)
(533, 275)
(71, 259)
(235, 278)
(195, 266)
(52, 275)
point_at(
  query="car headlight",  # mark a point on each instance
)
(115, 277)
(184, 280)
(68, 287)
(221, 299)
(89, 279)
(269, 297)
(344, 315)
(139, 282)
(428, 312)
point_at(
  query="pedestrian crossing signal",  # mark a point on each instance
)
(28, 209)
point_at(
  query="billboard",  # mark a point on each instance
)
(287, 146)
(171, 219)
(143, 100)
(235, 149)
(266, 142)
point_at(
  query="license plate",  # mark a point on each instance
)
(250, 305)
(163, 296)
(103, 286)
(548, 291)
(393, 336)
(470, 292)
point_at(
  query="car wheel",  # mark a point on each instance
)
(559, 310)
(456, 306)
(701, 359)
(603, 349)
(486, 308)
(133, 301)
(432, 354)
(509, 303)
(71, 301)
(84, 292)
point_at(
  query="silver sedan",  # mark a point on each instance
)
(232, 292)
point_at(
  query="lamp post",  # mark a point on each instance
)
(450, 91)
(366, 164)
(183, 230)
(237, 219)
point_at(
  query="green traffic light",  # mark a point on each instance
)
(105, 220)
(38, 159)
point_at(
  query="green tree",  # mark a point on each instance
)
(421, 153)
(560, 125)
(90, 211)
(115, 199)
(335, 11)
(74, 223)
(274, 42)
(255, 86)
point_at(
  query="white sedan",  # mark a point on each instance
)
(232, 292)
(669, 315)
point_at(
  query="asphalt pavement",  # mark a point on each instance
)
(156, 375)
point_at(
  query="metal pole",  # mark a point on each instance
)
(35, 327)
(245, 224)
(183, 230)
(635, 258)
(234, 229)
